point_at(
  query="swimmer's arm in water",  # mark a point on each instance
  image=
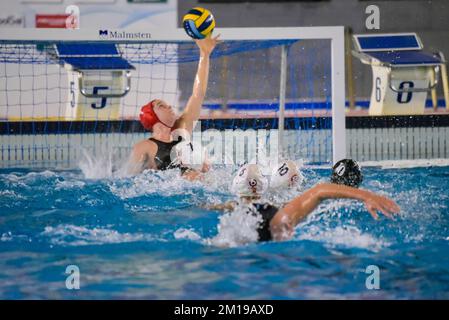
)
(292, 213)
(195, 175)
(227, 206)
(142, 157)
(193, 108)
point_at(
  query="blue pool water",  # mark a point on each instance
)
(147, 237)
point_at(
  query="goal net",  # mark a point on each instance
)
(272, 93)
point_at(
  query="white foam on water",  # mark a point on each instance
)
(9, 236)
(414, 237)
(219, 179)
(40, 174)
(71, 235)
(167, 183)
(104, 164)
(188, 234)
(68, 184)
(170, 183)
(330, 225)
(26, 181)
(11, 194)
(236, 228)
(6, 236)
(31, 176)
(96, 167)
(345, 236)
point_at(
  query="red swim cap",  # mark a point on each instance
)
(148, 117)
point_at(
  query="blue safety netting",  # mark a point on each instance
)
(144, 53)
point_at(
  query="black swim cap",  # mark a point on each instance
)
(347, 172)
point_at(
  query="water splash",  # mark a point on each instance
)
(42, 209)
(188, 234)
(96, 166)
(71, 235)
(343, 236)
(236, 228)
(7, 236)
(150, 182)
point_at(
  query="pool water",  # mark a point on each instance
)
(148, 237)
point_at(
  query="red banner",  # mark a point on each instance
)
(51, 20)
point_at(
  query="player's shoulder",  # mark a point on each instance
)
(145, 146)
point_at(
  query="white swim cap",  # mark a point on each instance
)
(249, 181)
(286, 175)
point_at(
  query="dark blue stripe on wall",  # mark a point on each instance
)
(70, 127)
(297, 105)
(271, 106)
(303, 123)
(320, 123)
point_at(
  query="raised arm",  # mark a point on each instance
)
(193, 108)
(296, 210)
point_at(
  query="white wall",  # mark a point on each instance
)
(96, 13)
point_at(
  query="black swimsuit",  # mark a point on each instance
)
(162, 157)
(267, 211)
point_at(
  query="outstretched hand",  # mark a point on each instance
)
(376, 203)
(208, 44)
